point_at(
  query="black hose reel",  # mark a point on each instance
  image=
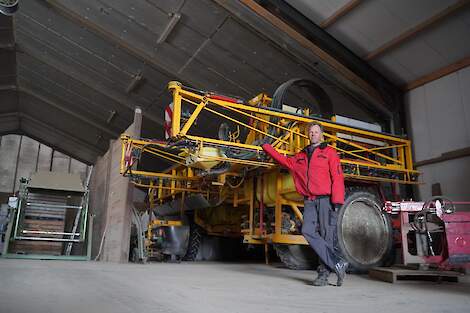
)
(322, 101)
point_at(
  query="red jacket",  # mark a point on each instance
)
(324, 176)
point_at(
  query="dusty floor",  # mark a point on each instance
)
(88, 287)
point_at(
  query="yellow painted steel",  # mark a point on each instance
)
(388, 161)
(160, 223)
(270, 192)
(206, 158)
(193, 117)
(176, 118)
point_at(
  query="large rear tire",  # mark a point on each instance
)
(194, 244)
(364, 232)
(296, 257)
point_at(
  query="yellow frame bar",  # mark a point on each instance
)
(180, 94)
(401, 163)
(180, 179)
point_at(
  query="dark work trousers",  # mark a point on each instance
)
(319, 229)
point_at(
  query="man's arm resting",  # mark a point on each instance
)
(279, 158)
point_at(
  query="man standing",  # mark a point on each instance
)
(319, 178)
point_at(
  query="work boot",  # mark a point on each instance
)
(340, 270)
(322, 279)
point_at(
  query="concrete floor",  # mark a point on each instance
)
(87, 287)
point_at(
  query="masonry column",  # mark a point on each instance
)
(120, 198)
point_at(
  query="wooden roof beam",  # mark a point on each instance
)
(415, 30)
(304, 42)
(344, 10)
(446, 70)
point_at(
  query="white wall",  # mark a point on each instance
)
(439, 121)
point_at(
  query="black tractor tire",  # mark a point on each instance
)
(194, 244)
(365, 236)
(296, 257)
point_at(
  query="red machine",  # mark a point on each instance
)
(432, 232)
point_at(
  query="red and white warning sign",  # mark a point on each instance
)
(168, 120)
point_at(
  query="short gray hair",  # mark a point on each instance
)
(311, 124)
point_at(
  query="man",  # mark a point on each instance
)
(319, 178)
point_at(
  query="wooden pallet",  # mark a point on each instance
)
(35, 247)
(393, 274)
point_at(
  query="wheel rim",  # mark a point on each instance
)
(365, 232)
(8, 7)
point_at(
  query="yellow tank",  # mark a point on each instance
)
(203, 158)
(287, 191)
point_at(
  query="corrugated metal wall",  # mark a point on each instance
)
(20, 156)
(439, 123)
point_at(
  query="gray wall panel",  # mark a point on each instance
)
(464, 86)
(439, 121)
(446, 115)
(60, 162)
(44, 158)
(415, 103)
(31, 156)
(8, 154)
(77, 167)
(27, 159)
(453, 177)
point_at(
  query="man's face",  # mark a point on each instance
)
(315, 134)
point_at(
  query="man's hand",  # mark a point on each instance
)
(337, 206)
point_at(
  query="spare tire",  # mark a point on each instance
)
(364, 232)
(322, 101)
(315, 90)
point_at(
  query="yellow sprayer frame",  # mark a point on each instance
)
(390, 161)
